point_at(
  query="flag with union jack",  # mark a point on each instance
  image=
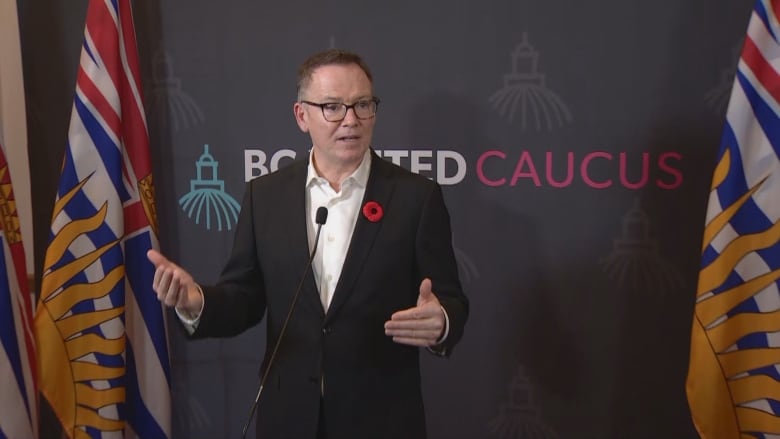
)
(18, 388)
(18, 398)
(103, 357)
(733, 380)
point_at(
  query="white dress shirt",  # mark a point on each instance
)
(343, 210)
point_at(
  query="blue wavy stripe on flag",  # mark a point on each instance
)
(140, 275)
(763, 113)
(104, 145)
(138, 415)
(762, 13)
(88, 50)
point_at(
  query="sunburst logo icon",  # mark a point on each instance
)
(207, 202)
(519, 417)
(169, 104)
(635, 261)
(525, 96)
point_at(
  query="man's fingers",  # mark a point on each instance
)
(171, 283)
(426, 293)
(416, 332)
(158, 273)
(156, 257)
(426, 334)
(407, 314)
(163, 280)
(419, 326)
(416, 313)
(424, 324)
(174, 292)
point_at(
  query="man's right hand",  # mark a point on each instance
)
(174, 286)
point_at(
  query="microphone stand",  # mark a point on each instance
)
(321, 217)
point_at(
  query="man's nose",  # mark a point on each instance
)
(350, 118)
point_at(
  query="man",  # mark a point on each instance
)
(384, 281)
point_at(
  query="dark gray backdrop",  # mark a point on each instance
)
(581, 290)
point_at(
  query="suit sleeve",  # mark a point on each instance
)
(237, 302)
(435, 259)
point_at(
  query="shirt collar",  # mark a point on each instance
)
(359, 177)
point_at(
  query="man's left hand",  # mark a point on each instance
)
(420, 326)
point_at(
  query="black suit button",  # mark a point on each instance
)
(327, 330)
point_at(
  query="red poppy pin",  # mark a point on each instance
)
(373, 211)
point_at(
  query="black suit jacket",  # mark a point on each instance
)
(371, 384)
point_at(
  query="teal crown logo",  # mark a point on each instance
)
(207, 200)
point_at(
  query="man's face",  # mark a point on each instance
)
(337, 145)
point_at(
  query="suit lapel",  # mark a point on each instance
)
(297, 236)
(380, 189)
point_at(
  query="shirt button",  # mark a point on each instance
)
(330, 238)
(330, 277)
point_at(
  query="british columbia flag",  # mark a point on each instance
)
(103, 357)
(18, 387)
(18, 398)
(733, 381)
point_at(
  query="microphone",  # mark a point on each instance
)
(320, 218)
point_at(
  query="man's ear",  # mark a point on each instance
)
(300, 117)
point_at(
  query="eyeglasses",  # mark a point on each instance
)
(336, 112)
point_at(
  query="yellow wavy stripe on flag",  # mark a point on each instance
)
(70, 326)
(54, 279)
(62, 303)
(723, 218)
(741, 361)
(91, 418)
(59, 206)
(89, 343)
(716, 273)
(714, 307)
(97, 398)
(722, 169)
(54, 373)
(81, 434)
(757, 420)
(754, 387)
(740, 325)
(84, 371)
(707, 389)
